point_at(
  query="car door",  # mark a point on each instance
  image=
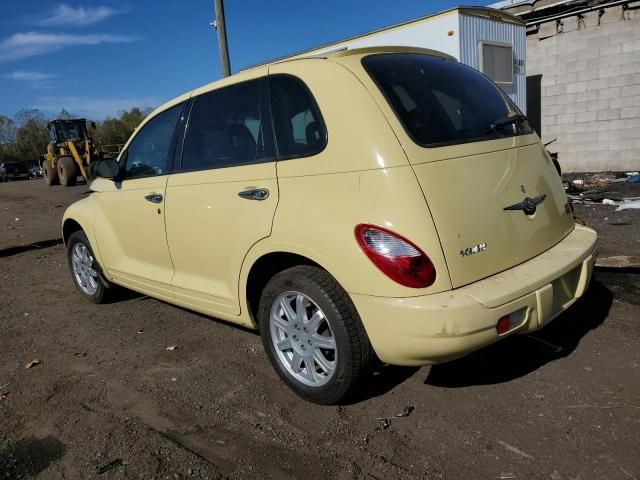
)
(130, 221)
(223, 199)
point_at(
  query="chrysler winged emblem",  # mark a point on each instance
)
(528, 205)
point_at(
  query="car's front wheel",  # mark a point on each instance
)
(84, 268)
(313, 335)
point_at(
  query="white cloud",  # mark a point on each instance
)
(65, 15)
(94, 108)
(29, 44)
(28, 76)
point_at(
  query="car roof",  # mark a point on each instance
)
(261, 69)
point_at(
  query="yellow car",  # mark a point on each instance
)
(384, 203)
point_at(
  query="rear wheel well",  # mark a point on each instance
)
(263, 270)
(68, 228)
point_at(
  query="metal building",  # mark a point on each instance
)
(491, 41)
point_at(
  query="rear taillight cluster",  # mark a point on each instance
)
(395, 256)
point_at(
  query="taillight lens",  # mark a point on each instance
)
(395, 256)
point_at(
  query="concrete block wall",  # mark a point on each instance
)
(590, 89)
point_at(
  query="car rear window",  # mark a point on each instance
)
(442, 102)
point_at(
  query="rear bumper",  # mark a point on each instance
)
(437, 328)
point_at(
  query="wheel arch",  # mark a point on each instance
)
(261, 267)
(69, 227)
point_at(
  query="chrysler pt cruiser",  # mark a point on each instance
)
(383, 203)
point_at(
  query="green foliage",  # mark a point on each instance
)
(113, 131)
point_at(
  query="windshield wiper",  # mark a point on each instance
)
(506, 121)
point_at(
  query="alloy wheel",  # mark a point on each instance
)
(303, 339)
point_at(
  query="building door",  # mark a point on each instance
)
(534, 104)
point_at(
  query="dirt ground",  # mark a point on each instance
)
(108, 401)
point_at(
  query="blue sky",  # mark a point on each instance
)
(95, 58)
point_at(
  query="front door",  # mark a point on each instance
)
(130, 222)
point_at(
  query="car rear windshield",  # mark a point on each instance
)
(442, 102)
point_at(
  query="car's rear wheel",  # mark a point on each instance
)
(313, 335)
(50, 174)
(67, 171)
(84, 268)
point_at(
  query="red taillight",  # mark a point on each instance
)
(503, 325)
(395, 256)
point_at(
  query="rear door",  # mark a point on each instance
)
(223, 199)
(494, 194)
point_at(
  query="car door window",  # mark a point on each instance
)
(298, 125)
(226, 128)
(150, 151)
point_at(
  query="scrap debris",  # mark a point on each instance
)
(171, 348)
(32, 363)
(386, 422)
(606, 188)
(513, 449)
(628, 204)
(3, 394)
(406, 411)
(105, 468)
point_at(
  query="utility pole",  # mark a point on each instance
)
(221, 29)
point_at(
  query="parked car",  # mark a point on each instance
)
(13, 171)
(36, 172)
(383, 202)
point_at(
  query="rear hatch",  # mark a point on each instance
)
(495, 196)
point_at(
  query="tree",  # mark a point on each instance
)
(26, 114)
(7, 130)
(31, 140)
(113, 131)
(65, 115)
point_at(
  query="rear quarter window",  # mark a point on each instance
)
(442, 102)
(299, 127)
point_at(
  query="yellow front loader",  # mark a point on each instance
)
(70, 153)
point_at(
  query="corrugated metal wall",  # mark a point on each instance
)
(474, 29)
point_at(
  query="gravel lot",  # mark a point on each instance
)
(107, 400)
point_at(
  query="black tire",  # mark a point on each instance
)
(50, 174)
(79, 237)
(67, 171)
(354, 352)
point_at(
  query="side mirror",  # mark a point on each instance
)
(93, 124)
(107, 168)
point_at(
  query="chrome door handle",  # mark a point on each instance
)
(154, 197)
(254, 194)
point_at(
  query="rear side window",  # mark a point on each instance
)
(442, 102)
(150, 152)
(225, 128)
(299, 128)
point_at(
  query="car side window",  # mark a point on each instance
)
(150, 152)
(226, 128)
(298, 124)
